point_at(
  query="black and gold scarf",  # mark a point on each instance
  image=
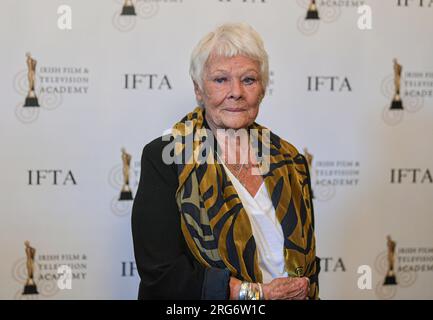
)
(216, 226)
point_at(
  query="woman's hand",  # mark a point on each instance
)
(287, 289)
(235, 286)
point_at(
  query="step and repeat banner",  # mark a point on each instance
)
(86, 84)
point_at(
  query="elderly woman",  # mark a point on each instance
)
(225, 228)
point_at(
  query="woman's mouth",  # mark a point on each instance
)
(235, 109)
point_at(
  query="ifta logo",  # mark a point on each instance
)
(26, 85)
(38, 275)
(26, 272)
(317, 12)
(399, 267)
(128, 11)
(405, 91)
(122, 178)
(44, 87)
(327, 176)
(313, 15)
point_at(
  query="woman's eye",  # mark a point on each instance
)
(220, 80)
(249, 80)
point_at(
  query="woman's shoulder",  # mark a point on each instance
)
(153, 157)
(153, 150)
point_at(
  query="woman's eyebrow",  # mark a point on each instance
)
(218, 70)
(251, 70)
(243, 71)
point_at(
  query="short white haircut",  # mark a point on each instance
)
(229, 40)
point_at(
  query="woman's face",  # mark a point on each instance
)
(232, 91)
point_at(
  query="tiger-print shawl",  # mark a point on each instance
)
(214, 223)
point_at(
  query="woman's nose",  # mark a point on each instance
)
(236, 89)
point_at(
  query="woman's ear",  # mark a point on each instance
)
(198, 92)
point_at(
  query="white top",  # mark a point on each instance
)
(267, 231)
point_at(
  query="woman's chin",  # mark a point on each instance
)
(236, 124)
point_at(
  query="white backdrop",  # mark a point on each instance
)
(331, 89)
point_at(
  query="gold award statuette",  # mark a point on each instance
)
(312, 13)
(128, 8)
(30, 286)
(31, 99)
(396, 103)
(390, 274)
(126, 193)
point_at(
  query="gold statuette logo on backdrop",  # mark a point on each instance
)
(30, 286)
(315, 12)
(126, 16)
(399, 268)
(31, 99)
(312, 13)
(390, 274)
(396, 103)
(128, 8)
(126, 193)
(405, 93)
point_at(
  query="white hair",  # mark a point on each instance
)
(229, 40)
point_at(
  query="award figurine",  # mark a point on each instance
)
(31, 99)
(390, 275)
(126, 193)
(30, 286)
(312, 13)
(128, 8)
(309, 158)
(396, 103)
